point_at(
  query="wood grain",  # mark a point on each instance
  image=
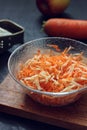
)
(14, 100)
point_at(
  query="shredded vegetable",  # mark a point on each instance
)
(60, 72)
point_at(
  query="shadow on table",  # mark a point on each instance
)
(9, 122)
(3, 65)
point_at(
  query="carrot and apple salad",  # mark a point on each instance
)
(60, 72)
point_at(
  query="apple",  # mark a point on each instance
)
(52, 7)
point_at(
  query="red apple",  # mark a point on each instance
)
(52, 7)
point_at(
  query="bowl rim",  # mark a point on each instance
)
(57, 94)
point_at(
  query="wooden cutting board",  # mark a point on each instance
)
(13, 100)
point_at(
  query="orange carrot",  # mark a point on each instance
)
(61, 27)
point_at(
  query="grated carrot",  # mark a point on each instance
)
(59, 72)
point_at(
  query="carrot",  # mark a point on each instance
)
(61, 27)
(54, 72)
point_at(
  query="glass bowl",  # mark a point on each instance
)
(27, 51)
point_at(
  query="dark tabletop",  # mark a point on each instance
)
(26, 14)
